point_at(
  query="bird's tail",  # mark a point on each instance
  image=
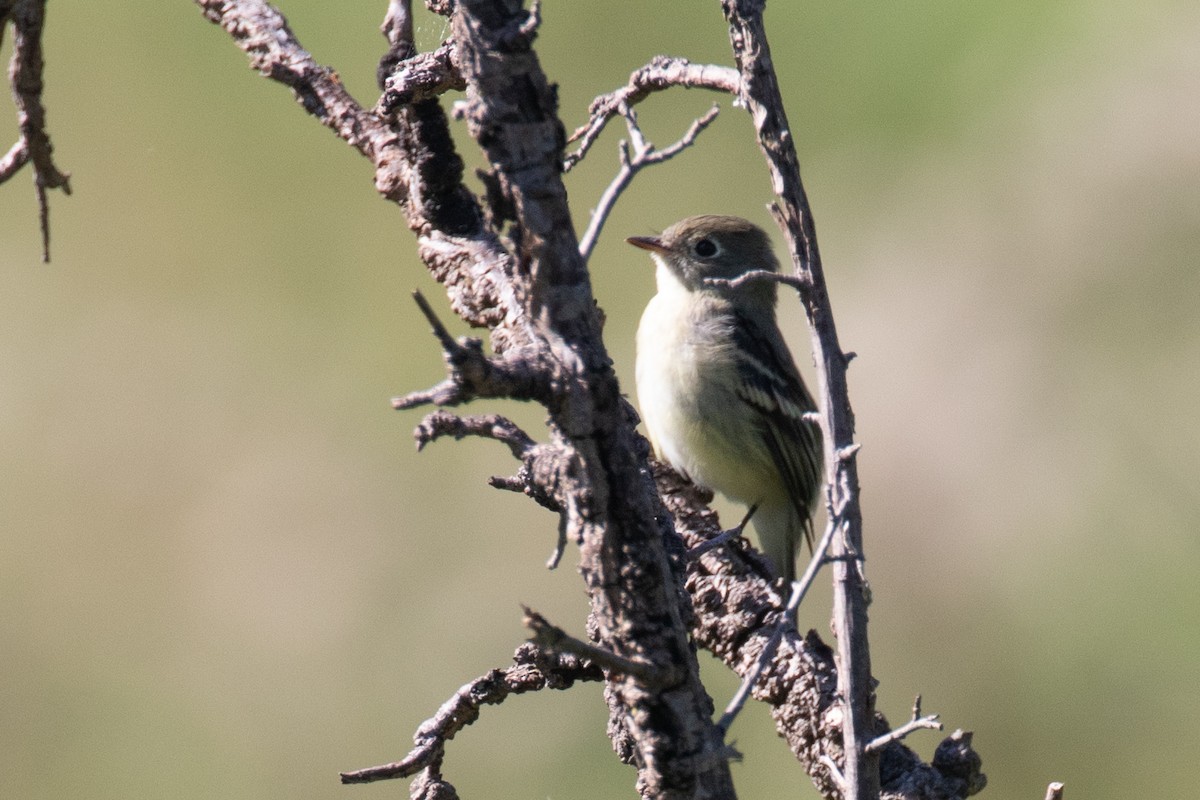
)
(780, 529)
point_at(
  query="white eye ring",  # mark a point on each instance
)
(706, 248)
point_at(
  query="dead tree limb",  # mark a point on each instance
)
(535, 297)
(638, 611)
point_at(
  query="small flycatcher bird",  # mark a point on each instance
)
(718, 389)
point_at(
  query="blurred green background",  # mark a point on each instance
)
(224, 571)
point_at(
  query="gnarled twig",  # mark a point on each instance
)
(25, 77)
(532, 671)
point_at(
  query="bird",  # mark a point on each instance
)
(718, 389)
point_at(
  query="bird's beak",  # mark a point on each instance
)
(651, 243)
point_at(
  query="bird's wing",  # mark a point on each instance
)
(771, 385)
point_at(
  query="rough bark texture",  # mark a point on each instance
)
(737, 608)
(638, 611)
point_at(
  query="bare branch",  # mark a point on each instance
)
(759, 93)
(532, 292)
(1054, 791)
(835, 772)
(637, 606)
(532, 671)
(663, 72)
(510, 483)
(25, 77)
(541, 479)
(723, 538)
(439, 330)
(16, 157)
(644, 154)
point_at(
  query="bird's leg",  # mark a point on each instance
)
(724, 536)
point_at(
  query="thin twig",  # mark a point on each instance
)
(560, 544)
(798, 282)
(448, 342)
(644, 155)
(16, 157)
(663, 72)
(471, 373)
(916, 722)
(835, 771)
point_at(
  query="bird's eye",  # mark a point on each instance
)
(705, 248)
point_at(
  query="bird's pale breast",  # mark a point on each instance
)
(687, 382)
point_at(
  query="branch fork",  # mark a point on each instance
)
(917, 722)
(555, 640)
(635, 155)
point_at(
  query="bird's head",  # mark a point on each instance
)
(697, 249)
